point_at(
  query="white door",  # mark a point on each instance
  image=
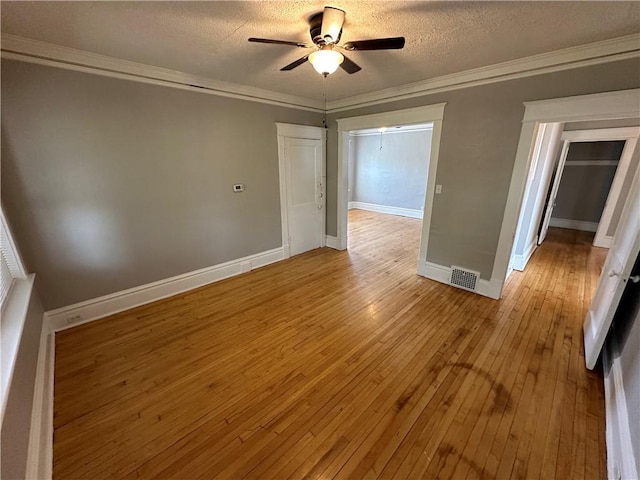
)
(554, 193)
(603, 239)
(305, 194)
(624, 250)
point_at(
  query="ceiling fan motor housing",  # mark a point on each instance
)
(315, 30)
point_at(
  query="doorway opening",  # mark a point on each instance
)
(578, 180)
(387, 184)
(429, 114)
(620, 107)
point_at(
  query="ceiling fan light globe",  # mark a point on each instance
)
(325, 62)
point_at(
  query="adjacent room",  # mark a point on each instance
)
(278, 240)
(579, 180)
(388, 169)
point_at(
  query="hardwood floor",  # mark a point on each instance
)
(341, 365)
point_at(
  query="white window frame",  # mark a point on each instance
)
(10, 256)
(14, 309)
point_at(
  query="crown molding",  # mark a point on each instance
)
(43, 53)
(621, 48)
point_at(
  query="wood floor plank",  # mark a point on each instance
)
(341, 365)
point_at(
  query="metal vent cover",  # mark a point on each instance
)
(463, 278)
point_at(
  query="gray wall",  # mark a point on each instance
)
(110, 184)
(584, 190)
(479, 139)
(394, 176)
(17, 416)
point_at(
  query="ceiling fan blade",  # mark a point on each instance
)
(393, 43)
(279, 42)
(332, 21)
(350, 66)
(295, 64)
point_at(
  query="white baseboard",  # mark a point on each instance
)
(621, 461)
(439, 273)
(40, 450)
(520, 261)
(332, 242)
(96, 308)
(435, 272)
(372, 207)
(490, 288)
(574, 224)
(602, 242)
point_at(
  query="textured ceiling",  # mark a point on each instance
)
(210, 38)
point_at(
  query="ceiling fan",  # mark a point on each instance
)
(325, 30)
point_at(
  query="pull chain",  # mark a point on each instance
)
(324, 96)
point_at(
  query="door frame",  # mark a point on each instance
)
(411, 116)
(600, 106)
(627, 134)
(630, 136)
(551, 201)
(307, 132)
(539, 178)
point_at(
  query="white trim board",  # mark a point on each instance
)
(43, 53)
(602, 134)
(442, 274)
(408, 116)
(40, 450)
(294, 130)
(620, 456)
(392, 129)
(373, 207)
(332, 242)
(599, 106)
(581, 56)
(520, 261)
(574, 224)
(87, 311)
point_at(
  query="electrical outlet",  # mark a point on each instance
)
(438, 189)
(238, 187)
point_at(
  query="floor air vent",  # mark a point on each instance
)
(464, 278)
